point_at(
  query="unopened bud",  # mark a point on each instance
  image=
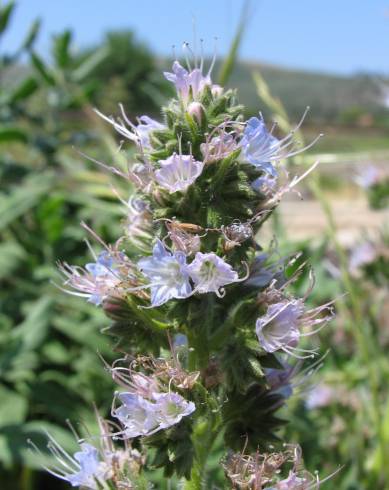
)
(116, 308)
(196, 110)
(216, 90)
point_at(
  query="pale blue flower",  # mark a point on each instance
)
(167, 273)
(178, 172)
(210, 273)
(219, 146)
(171, 408)
(266, 185)
(145, 127)
(321, 395)
(90, 467)
(362, 255)
(259, 146)
(137, 416)
(279, 380)
(294, 482)
(142, 417)
(96, 282)
(103, 265)
(263, 273)
(278, 329)
(138, 133)
(367, 176)
(188, 82)
(84, 469)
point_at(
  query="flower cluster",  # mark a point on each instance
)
(143, 417)
(265, 471)
(280, 328)
(148, 405)
(188, 267)
(171, 277)
(96, 464)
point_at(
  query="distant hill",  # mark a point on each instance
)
(347, 100)
(331, 98)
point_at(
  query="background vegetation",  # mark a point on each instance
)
(49, 342)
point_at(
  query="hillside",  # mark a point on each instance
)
(331, 98)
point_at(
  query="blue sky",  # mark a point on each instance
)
(339, 36)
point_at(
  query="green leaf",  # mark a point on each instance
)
(56, 353)
(11, 254)
(26, 88)
(5, 15)
(13, 407)
(8, 134)
(42, 69)
(33, 330)
(31, 35)
(229, 62)
(87, 66)
(61, 49)
(24, 197)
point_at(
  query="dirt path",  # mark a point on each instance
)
(305, 219)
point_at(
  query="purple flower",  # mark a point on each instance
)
(167, 273)
(178, 172)
(278, 329)
(90, 467)
(261, 148)
(294, 482)
(138, 133)
(321, 395)
(265, 185)
(187, 83)
(367, 177)
(280, 380)
(210, 273)
(145, 127)
(142, 417)
(218, 147)
(137, 416)
(361, 255)
(96, 281)
(171, 408)
(83, 469)
(259, 145)
(138, 225)
(102, 266)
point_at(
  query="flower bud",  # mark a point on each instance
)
(216, 90)
(116, 308)
(196, 110)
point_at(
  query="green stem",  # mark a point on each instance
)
(203, 438)
(205, 429)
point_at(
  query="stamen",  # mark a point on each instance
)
(201, 55)
(125, 117)
(194, 41)
(111, 169)
(186, 48)
(213, 58)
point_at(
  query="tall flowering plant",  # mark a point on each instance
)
(212, 339)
